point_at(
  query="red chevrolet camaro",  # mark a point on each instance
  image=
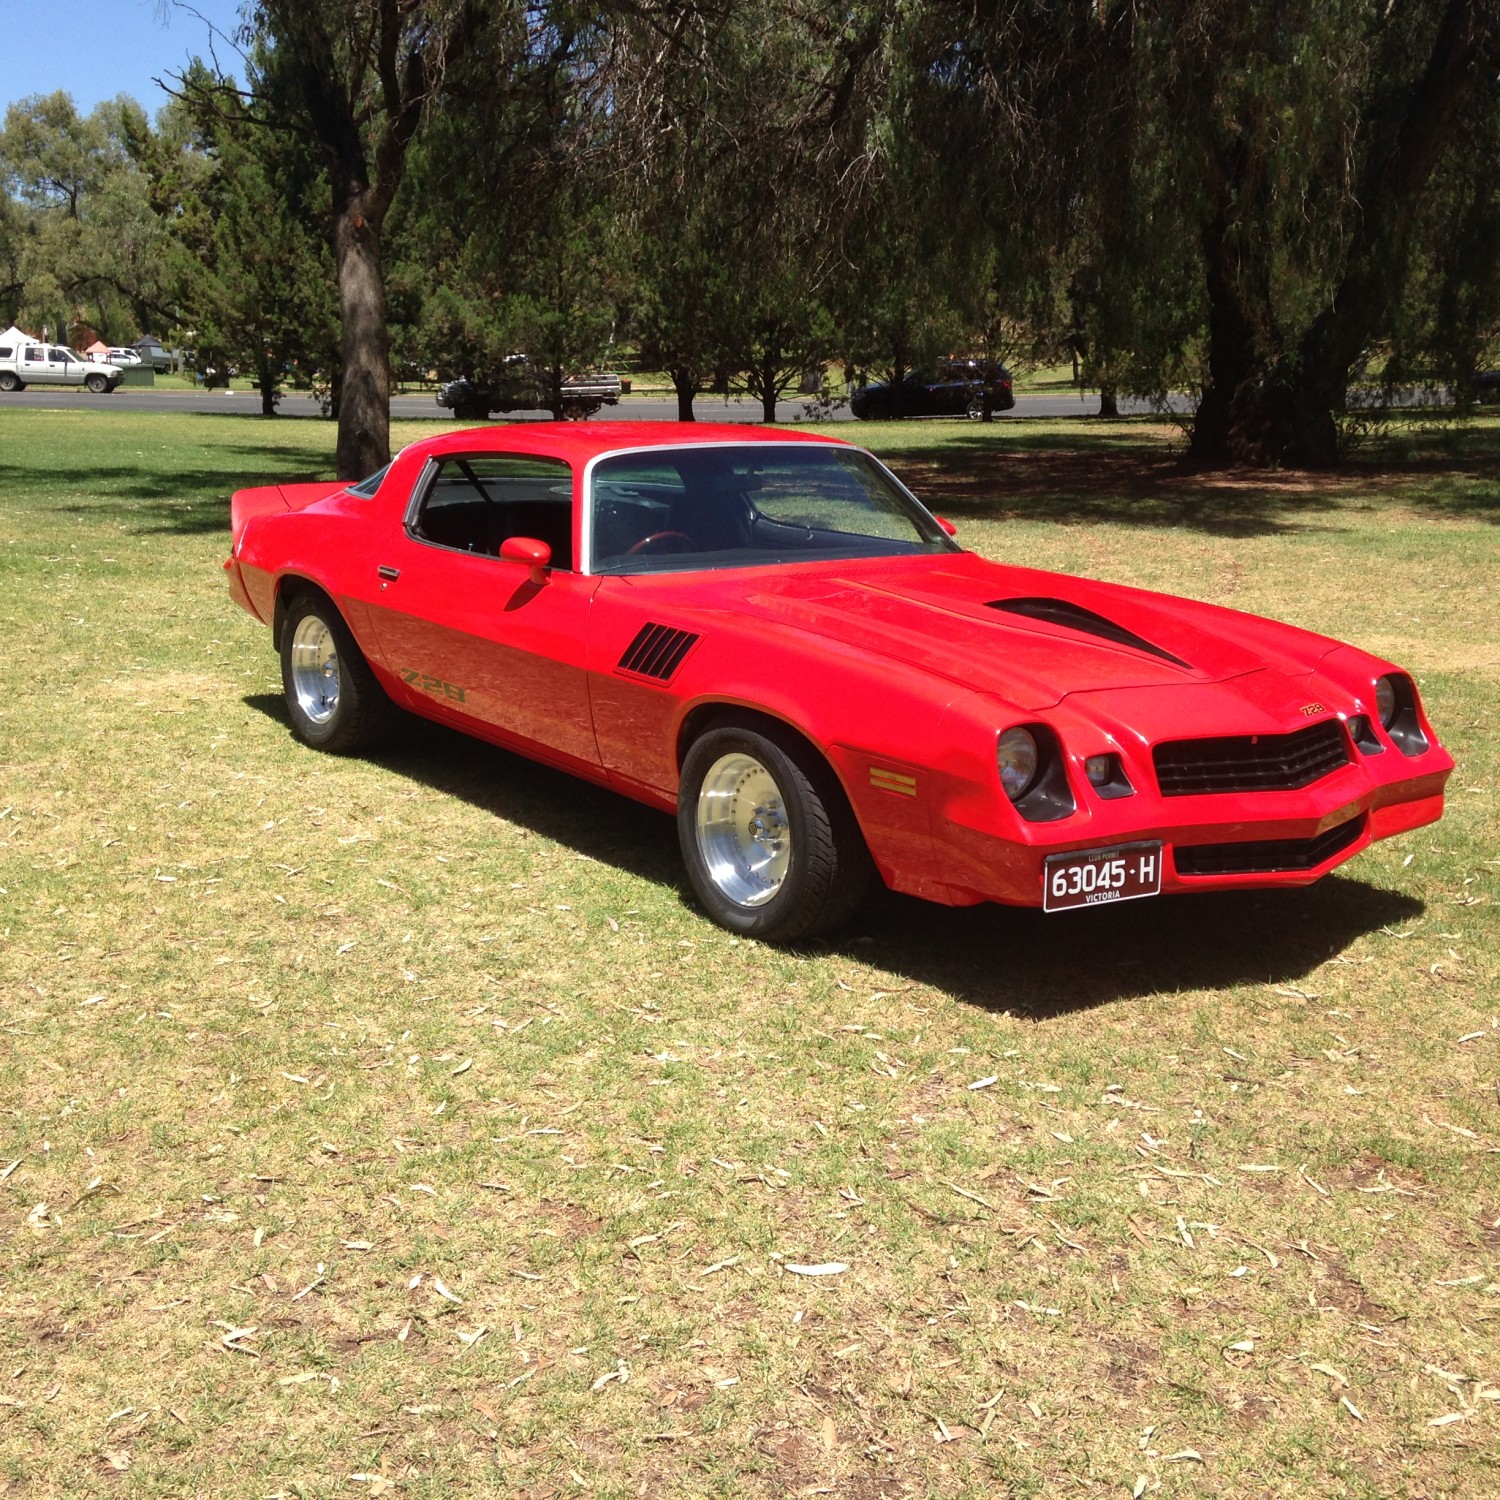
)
(765, 633)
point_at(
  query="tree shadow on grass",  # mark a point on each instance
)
(1127, 476)
(180, 502)
(1000, 959)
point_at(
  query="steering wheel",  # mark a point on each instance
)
(661, 536)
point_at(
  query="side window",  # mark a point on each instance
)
(36, 354)
(7, 351)
(477, 501)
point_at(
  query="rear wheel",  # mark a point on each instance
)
(10, 381)
(771, 847)
(98, 384)
(332, 697)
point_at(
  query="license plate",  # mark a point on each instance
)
(1096, 877)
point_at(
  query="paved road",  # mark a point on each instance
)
(635, 408)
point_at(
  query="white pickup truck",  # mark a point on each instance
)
(25, 362)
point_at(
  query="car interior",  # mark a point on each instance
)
(726, 507)
(473, 504)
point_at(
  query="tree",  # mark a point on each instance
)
(359, 76)
(82, 237)
(254, 269)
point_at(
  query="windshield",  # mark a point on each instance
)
(738, 506)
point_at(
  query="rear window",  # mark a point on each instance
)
(7, 352)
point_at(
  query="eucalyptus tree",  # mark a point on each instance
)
(77, 234)
(740, 133)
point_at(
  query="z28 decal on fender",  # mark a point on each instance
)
(434, 685)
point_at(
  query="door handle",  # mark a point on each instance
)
(388, 573)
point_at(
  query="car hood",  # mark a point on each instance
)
(1029, 637)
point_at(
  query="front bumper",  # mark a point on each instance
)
(982, 851)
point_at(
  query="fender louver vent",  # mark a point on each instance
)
(657, 651)
(1076, 617)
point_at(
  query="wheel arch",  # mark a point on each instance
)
(723, 713)
(292, 586)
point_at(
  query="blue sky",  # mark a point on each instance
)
(95, 49)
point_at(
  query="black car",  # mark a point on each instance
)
(955, 388)
(1487, 386)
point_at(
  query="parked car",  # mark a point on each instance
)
(26, 362)
(522, 386)
(1487, 386)
(766, 634)
(124, 357)
(955, 388)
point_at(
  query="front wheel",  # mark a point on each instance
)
(10, 381)
(332, 697)
(771, 846)
(98, 384)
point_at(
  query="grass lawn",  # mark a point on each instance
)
(398, 1126)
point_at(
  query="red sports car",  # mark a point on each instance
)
(765, 633)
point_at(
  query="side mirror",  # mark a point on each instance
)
(947, 525)
(527, 549)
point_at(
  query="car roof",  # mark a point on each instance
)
(578, 442)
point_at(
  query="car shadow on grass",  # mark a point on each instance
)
(1006, 960)
(1025, 963)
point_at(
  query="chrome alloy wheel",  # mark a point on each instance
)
(315, 670)
(744, 834)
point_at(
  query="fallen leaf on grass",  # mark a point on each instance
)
(468, 1340)
(233, 1338)
(117, 1459)
(463, 1067)
(827, 1268)
(1446, 1421)
(378, 1483)
(1330, 1371)
(621, 1373)
(1351, 1408)
(984, 1083)
(443, 1292)
(1032, 1307)
(1184, 1456)
(965, 1193)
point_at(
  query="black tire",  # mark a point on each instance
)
(10, 381)
(788, 799)
(98, 384)
(332, 697)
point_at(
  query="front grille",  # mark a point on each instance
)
(1267, 855)
(657, 651)
(1250, 762)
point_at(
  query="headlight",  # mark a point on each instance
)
(1385, 700)
(1016, 753)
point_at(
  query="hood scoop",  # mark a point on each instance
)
(1076, 617)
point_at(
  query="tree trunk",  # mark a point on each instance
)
(1270, 404)
(1109, 405)
(270, 393)
(685, 383)
(898, 386)
(768, 366)
(554, 393)
(365, 396)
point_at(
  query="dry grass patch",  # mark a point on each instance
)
(397, 1126)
